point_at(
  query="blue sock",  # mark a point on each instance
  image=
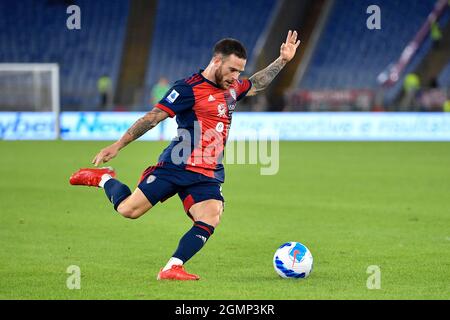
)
(193, 241)
(116, 191)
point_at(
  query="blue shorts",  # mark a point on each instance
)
(163, 181)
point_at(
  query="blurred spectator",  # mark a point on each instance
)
(436, 35)
(411, 87)
(412, 82)
(446, 107)
(104, 87)
(159, 90)
(157, 93)
(432, 99)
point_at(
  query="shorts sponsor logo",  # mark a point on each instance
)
(151, 178)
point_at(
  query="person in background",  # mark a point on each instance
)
(411, 87)
(157, 93)
(104, 87)
(446, 106)
(436, 35)
(159, 90)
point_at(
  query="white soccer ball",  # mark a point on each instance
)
(293, 260)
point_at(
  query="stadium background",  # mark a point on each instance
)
(354, 204)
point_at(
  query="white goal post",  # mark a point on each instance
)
(30, 87)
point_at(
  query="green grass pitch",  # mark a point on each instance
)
(354, 204)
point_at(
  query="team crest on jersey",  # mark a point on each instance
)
(222, 111)
(233, 93)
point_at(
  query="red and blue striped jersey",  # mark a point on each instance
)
(203, 113)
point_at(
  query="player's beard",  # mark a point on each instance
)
(219, 78)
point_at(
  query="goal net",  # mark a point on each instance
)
(30, 87)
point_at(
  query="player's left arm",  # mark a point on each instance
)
(263, 78)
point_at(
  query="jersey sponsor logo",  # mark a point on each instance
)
(211, 98)
(172, 96)
(219, 127)
(233, 93)
(222, 111)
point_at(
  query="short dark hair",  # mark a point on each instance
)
(229, 46)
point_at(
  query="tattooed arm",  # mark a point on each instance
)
(141, 126)
(263, 78)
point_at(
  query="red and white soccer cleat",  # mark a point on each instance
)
(90, 176)
(177, 272)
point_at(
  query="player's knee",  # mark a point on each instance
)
(208, 212)
(215, 213)
(129, 212)
(220, 210)
(125, 211)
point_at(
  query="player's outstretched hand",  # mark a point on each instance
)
(288, 48)
(105, 155)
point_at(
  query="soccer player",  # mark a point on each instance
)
(191, 165)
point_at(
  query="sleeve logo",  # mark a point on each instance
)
(172, 96)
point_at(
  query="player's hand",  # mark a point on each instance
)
(106, 154)
(288, 48)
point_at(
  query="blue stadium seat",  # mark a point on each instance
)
(35, 31)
